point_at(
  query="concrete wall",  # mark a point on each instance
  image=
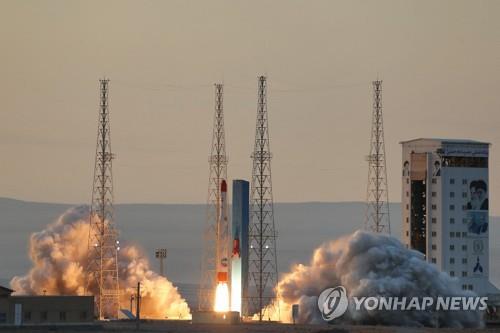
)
(48, 309)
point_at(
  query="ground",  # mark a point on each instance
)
(187, 327)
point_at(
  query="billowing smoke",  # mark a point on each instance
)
(59, 256)
(368, 264)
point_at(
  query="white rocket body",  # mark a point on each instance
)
(222, 237)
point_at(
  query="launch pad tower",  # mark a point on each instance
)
(216, 233)
(103, 237)
(262, 266)
(377, 201)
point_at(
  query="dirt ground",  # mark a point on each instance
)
(181, 327)
(185, 327)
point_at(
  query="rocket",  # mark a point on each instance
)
(236, 270)
(236, 253)
(239, 251)
(223, 264)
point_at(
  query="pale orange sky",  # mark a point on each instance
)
(439, 60)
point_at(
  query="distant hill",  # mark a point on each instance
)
(301, 228)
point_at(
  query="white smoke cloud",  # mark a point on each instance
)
(368, 264)
(59, 255)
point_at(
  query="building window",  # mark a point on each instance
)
(464, 260)
(452, 234)
(434, 207)
(27, 315)
(464, 287)
(452, 194)
(464, 220)
(452, 181)
(470, 287)
(464, 181)
(452, 207)
(464, 194)
(464, 247)
(407, 233)
(433, 260)
(452, 260)
(452, 247)
(407, 206)
(452, 220)
(433, 246)
(464, 274)
(62, 316)
(452, 273)
(434, 180)
(407, 220)
(457, 234)
(407, 181)
(433, 234)
(464, 234)
(433, 194)
(433, 220)
(407, 194)
(43, 316)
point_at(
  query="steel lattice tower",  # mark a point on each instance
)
(215, 227)
(103, 236)
(377, 207)
(263, 267)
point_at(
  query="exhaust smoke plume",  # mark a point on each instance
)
(368, 264)
(59, 256)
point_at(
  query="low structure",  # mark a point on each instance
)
(212, 317)
(44, 310)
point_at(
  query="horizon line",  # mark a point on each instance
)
(181, 203)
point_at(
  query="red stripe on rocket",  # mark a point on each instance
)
(236, 247)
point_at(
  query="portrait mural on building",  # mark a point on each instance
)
(477, 207)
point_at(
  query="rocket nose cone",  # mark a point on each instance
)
(223, 186)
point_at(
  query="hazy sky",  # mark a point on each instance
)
(439, 60)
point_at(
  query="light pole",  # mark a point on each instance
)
(132, 298)
(161, 254)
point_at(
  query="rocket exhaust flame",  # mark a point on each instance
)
(221, 303)
(59, 259)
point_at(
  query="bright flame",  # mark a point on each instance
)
(221, 297)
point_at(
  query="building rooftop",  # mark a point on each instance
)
(5, 291)
(445, 141)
